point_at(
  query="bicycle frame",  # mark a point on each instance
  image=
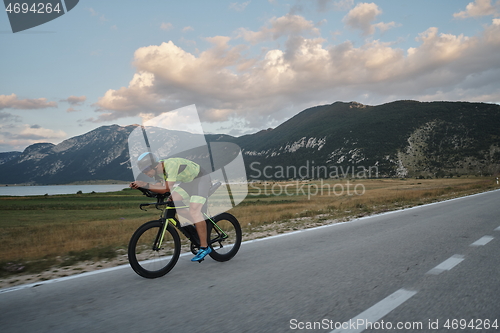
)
(168, 216)
(155, 246)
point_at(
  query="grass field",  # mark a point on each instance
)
(46, 231)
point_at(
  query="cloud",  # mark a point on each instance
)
(385, 26)
(282, 26)
(75, 100)
(239, 7)
(227, 82)
(188, 28)
(15, 138)
(480, 8)
(362, 16)
(166, 26)
(36, 132)
(12, 102)
(341, 4)
(138, 95)
(93, 12)
(8, 117)
(323, 5)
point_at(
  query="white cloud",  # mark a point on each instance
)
(480, 8)
(36, 132)
(321, 5)
(282, 26)
(225, 82)
(8, 117)
(188, 28)
(342, 4)
(239, 7)
(362, 16)
(75, 100)
(385, 26)
(13, 102)
(93, 12)
(139, 90)
(18, 137)
(166, 26)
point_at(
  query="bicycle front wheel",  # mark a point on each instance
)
(224, 236)
(147, 256)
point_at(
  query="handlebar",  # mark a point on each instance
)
(147, 192)
(160, 198)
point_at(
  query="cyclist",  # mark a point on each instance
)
(193, 187)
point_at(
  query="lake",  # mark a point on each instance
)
(58, 189)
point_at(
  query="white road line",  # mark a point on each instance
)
(497, 229)
(482, 241)
(376, 312)
(447, 264)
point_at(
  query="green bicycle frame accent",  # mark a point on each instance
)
(169, 217)
(216, 226)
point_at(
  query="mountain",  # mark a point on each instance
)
(402, 139)
(97, 155)
(5, 157)
(398, 139)
(101, 154)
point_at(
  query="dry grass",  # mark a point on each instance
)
(43, 241)
(60, 242)
(379, 195)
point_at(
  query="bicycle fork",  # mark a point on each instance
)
(159, 237)
(166, 215)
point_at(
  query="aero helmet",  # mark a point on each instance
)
(146, 162)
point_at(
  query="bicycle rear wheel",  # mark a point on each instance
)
(150, 259)
(224, 236)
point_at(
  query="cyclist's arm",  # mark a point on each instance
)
(159, 187)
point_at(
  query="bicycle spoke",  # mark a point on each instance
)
(225, 236)
(149, 258)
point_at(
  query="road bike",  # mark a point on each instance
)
(155, 246)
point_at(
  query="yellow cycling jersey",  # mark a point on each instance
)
(180, 170)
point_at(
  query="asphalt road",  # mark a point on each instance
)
(420, 268)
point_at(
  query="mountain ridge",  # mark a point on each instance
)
(386, 136)
(398, 139)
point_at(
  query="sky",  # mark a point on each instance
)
(247, 65)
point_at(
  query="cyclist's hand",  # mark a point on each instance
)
(137, 184)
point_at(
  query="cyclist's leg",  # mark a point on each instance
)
(184, 193)
(199, 193)
(180, 196)
(201, 229)
(199, 222)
